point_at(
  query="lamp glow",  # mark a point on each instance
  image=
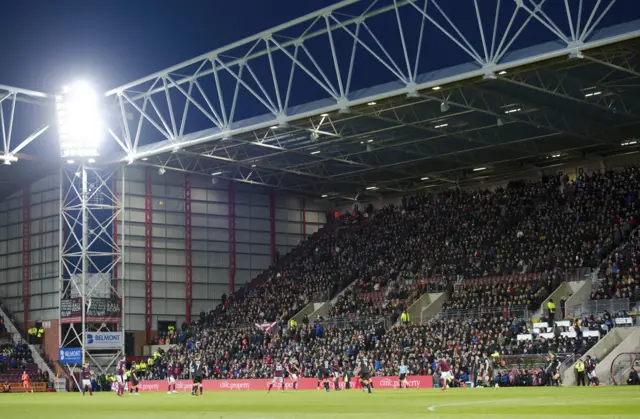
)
(80, 124)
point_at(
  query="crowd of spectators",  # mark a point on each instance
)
(249, 352)
(516, 240)
(620, 273)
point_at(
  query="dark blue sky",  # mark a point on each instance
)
(46, 43)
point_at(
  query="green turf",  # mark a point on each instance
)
(589, 402)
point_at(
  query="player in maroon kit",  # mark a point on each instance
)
(85, 376)
(293, 371)
(590, 366)
(278, 376)
(446, 375)
(120, 370)
(336, 373)
(171, 379)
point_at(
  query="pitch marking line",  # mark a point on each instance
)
(433, 408)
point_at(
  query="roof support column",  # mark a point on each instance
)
(231, 201)
(114, 282)
(26, 255)
(272, 224)
(187, 247)
(148, 267)
(304, 219)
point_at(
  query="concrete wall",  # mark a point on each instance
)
(581, 291)
(436, 301)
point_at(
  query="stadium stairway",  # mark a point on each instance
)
(324, 308)
(306, 311)
(427, 306)
(564, 291)
(35, 349)
(574, 305)
(619, 340)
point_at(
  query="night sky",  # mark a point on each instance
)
(49, 42)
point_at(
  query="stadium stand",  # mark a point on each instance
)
(620, 273)
(506, 250)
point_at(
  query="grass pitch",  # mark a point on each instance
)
(573, 402)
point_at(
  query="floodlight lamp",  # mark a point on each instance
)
(80, 124)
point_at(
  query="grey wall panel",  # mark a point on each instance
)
(210, 245)
(134, 321)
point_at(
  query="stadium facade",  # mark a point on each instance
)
(222, 161)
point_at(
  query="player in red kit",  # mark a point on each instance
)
(278, 376)
(446, 375)
(85, 376)
(26, 385)
(120, 370)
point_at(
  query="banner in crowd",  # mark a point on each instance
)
(417, 381)
(268, 327)
(98, 310)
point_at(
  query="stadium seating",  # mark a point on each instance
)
(15, 359)
(620, 273)
(506, 250)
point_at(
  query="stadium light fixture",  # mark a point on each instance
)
(502, 73)
(632, 142)
(592, 94)
(441, 126)
(253, 165)
(315, 152)
(371, 188)
(444, 107)
(324, 115)
(7, 159)
(436, 88)
(513, 110)
(162, 171)
(479, 169)
(371, 103)
(216, 173)
(324, 196)
(273, 127)
(80, 125)
(425, 178)
(144, 158)
(91, 160)
(70, 161)
(555, 156)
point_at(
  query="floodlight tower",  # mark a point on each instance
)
(91, 266)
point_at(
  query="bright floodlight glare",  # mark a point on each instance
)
(79, 121)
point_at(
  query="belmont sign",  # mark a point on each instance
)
(104, 340)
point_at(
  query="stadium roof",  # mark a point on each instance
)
(351, 100)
